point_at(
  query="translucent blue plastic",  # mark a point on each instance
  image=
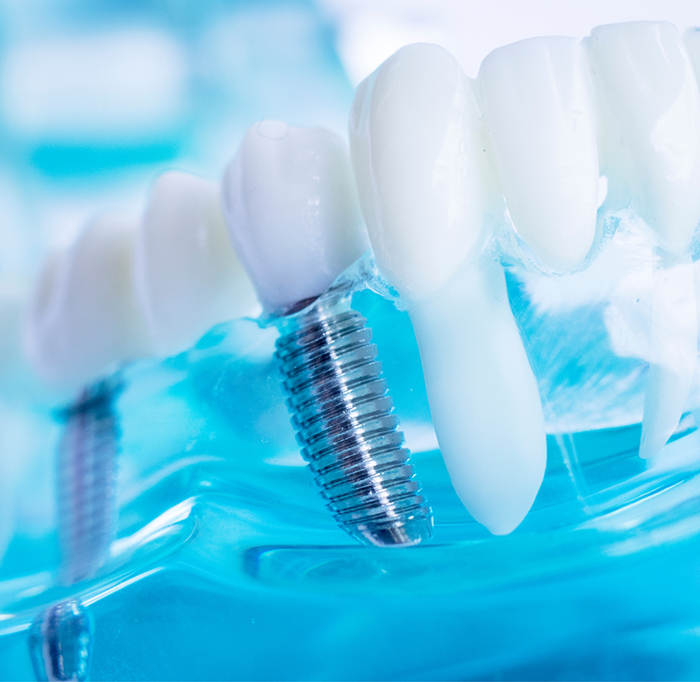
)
(228, 566)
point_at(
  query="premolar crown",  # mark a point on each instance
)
(291, 209)
(187, 275)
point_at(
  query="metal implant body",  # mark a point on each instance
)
(87, 463)
(61, 637)
(344, 420)
(60, 642)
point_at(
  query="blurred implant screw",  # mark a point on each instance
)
(60, 642)
(87, 463)
(345, 424)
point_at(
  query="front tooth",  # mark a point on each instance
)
(417, 152)
(83, 315)
(540, 112)
(291, 209)
(651, 124)
(650, 110)
(187, 275)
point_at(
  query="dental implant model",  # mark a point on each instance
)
(84, 320)
(290, 205)
(121, 292)
(417, 150)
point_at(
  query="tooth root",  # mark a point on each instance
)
(187, 275)
(673, 351)
(416, 146)
(650, 113)
(539, 108)
(483, 396)
(83, 315)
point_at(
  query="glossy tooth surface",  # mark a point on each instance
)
(416, 148)
(650, 114)
(540, 111)
(188, 277)
(419, 163)
(83, 315)
(291, 208)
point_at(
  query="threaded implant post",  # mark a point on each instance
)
(60, 640)
(87, 460)
(344, 420)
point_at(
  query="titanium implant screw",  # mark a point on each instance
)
(343, 417)
(61, 637)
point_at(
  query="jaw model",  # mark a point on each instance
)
(437, 157)
(455, 177)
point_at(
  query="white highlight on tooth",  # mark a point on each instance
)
(418, 157)
(650, 112)
(420, 168)
(83, 315)
(291, 208)
(540, 111)
(187, 275)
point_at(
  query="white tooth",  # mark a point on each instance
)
(650, 110)
(540, 112)
(83, 315)
(291, 208)
(417, 152)
(188, 277)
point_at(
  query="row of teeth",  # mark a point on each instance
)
(435, 156)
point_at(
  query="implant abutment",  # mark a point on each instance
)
(343, 416)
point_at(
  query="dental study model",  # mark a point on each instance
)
(417, 150)
(436, 153)
(290, 204)
(82, 319)
(109, 299)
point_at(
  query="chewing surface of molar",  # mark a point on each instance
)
(417, 152)
(290, 256)
(540, 112)
(650, 114)
(187, 275)
(83, 316)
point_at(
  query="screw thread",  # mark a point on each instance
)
(344, 420)
(86, 482)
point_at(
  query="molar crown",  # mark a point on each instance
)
(187, 275)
